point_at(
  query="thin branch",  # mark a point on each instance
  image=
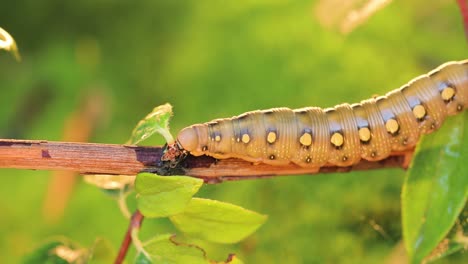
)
(135, 224)
(89, 158)
(85, 158)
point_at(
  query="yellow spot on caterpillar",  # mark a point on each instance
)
(306, 139)
(218, 138)
(364, 134)
(246, 138)
(337, 139)
(392, 126)
(447, 93)
(271, 137)
(419, 111)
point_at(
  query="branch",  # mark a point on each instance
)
(90, 158)
(84, 158)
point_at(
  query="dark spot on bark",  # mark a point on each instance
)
(45, 154)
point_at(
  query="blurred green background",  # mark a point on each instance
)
(212, 59)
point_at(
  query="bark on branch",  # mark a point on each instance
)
(90, 158)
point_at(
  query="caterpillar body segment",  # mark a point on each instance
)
(341, 135)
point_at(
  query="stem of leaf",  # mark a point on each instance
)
(167, 135)
(122, 201)
(135, 224)
(138, 244)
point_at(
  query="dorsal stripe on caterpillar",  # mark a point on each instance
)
(341, 135)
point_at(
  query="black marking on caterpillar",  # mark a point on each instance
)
(340, 136)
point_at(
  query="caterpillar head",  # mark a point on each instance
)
(194, 139)
(188, 139)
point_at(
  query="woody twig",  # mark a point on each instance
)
(90, 158)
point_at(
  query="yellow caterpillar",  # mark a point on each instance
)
(341, 135)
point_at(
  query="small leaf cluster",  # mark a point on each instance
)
(210, 220)
(172, 197)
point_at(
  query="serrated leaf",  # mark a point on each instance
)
(162, 196)
(217, 221)
(435, 188)
(8, 43)
(163, 249)
(155, 122)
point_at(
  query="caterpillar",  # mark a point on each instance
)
(340, 135)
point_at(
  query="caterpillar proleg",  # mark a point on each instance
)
(340, 135)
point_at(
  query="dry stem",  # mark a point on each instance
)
(89, 158)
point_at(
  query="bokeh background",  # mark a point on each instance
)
(90, 70)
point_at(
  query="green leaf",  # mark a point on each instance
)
(163, 249)
(162, 196)
(436, 187)
(156, 121)
(217, 221)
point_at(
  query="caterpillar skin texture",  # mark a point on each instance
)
(341, 135)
